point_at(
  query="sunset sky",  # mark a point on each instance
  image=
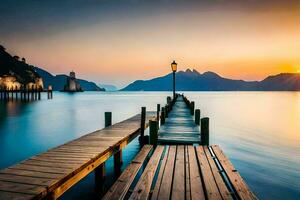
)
(110, 41)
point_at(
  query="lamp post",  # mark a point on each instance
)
(174, 69)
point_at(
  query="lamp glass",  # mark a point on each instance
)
(174, 66)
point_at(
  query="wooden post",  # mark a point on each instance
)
(118, 161)
(197, 116)
(166, 111)
(157, 113)
(100, 170)
(50, 95)
(32, 92)
(99, 177)
(107, 116)
(169, 100)
(192, 108)
(205, 131)
(153, 132)
(27, 91)
(22, 93)
(39, 95)
(35, 93)
(142, 137)
(162, 116)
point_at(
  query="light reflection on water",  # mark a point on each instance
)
(259, 132)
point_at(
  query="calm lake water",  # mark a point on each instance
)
(259, 132)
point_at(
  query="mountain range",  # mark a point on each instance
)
(58, 81)
(192, 80)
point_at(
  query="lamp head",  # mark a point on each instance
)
(174, 66)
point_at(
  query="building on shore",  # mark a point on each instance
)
(72, 84)
(10, 82)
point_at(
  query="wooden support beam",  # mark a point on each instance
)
(99, 177)
(157, 112)
(108, 119)
(143, 118)
(197, 116)
(166, 111)
(142, 139)
(153, 132)
(118, 161)
(39, 95)
(163, 115)
(192, 108)
(205, 131)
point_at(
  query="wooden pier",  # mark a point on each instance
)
(24, 94)
(180, 126)
(50, 174)
(175, 161)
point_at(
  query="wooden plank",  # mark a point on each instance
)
(47, 169)
(178, 188)
(197, 191)
(15, 196)
(166, 183)
(236, 180)
(69, 154)
(218, 178)
(160, 175)
(121, 186)
(48, 163)
(76, 149)
(187, 175)
(142, 189)
(26, 180)
(31, 173)
(21, 188)
(60, 160)
(210, 185)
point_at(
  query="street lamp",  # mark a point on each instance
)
(174, 69)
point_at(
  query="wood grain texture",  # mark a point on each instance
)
(210, 185)
(121, 186)
(197, 191)
(237, 181)
(178, 188)
(142, 189)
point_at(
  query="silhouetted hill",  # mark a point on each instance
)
(13, 65)
(281, 82)
(108, 87)
(209, 81)
(59, 81)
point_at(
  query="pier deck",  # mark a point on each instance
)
(181, 172)
(50, 174)
(179, 127)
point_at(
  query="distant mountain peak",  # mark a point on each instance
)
(188, 70)
(196, 72)
(211, 74)
(191, 72)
